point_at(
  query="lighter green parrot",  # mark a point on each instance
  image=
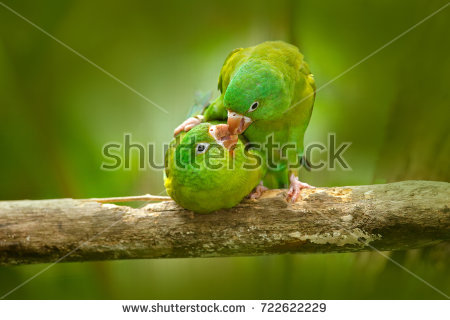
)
(207, 169)
(267, 93)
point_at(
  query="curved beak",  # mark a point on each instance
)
(237, 123)
(221, 134)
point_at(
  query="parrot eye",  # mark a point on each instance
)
(253, 106)
(201, 148)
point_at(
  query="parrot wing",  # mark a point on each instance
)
(304, 69)
(201, 101)
(217, 111)
(228, 67)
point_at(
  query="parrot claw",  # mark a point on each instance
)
(258, 191)
(295, 188)
(188, 124)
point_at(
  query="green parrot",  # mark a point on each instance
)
(208, 169)
(267, 94)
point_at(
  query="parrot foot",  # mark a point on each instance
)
(295, 188)
(188, 124)
(258, 191)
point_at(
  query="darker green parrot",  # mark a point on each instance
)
(267, 94)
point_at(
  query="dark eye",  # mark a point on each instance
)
(201, 148)
(253, 106)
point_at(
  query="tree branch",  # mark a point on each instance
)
(392, 216)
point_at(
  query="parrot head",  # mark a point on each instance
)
(189, 152)
(257, 91)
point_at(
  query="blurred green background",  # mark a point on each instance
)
(57, 111)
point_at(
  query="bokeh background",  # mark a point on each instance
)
(57, 111)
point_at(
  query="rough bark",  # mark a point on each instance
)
(394, 216)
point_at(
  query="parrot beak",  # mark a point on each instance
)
(221, 134)
(237, 123)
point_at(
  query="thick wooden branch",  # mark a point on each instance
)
(392, 216)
